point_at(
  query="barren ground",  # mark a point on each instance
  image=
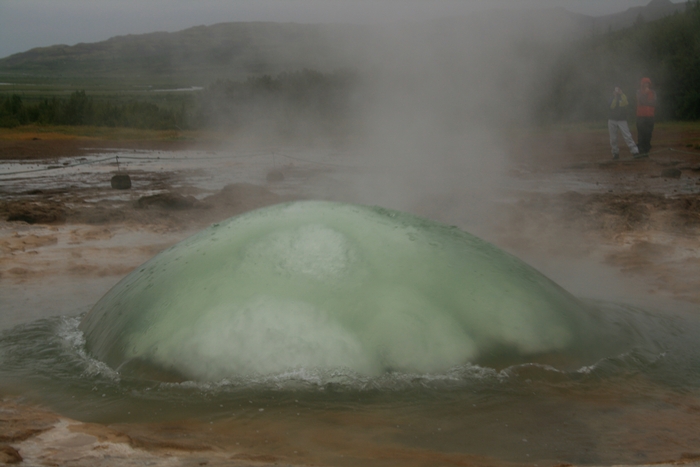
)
(639, 219)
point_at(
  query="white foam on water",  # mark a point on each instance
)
(320, 286)
(74, 340)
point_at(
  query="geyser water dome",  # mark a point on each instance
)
(320, 285)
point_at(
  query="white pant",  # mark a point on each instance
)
(613, 126)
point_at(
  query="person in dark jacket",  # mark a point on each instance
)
(617, 121)
(646, 107)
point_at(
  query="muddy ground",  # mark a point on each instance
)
(50, 148)
(571, 206)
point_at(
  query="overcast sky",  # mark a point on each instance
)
(25, 24)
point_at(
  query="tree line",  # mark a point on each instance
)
(666, 50)
(81, 109)
(288, 103)
(304, 102)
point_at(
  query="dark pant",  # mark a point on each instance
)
(645, 126)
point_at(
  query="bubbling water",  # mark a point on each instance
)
(337, 331)
(318, 285)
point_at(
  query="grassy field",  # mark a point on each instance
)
(682, 136)
(64, 132)
(164, 91)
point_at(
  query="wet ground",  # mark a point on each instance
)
(624, 230)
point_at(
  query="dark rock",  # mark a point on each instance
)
(121, 182)
(168, 201)
(275, 175)
(671, 173)
(9, 455)
(38, 212)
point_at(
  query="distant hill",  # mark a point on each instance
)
(497, 66)
(201, 54)
(656, 9)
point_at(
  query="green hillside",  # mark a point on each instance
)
(194, 56)
(199, 55)
(666, 50)
(496, 67)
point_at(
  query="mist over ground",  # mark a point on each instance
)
(441, 98)
(428, 109)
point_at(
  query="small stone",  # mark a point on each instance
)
(671, 173)
(168, 200)
(9, 455)
(121, 182)
(275, 175)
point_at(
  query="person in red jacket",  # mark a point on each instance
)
(646, 106)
